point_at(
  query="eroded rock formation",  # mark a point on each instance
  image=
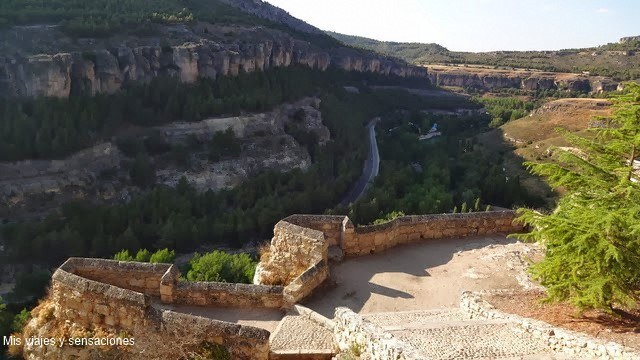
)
(493, 79)
(203, 50)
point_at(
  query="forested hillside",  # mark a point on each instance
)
(107, 17)
(620, 61)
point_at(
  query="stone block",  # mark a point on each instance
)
(126, 323)
(136, 283)
(110, 321)
(166, 290)
(102, 309)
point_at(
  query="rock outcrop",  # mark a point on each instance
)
(629, 39)
(493, 79)
(101, 171)
(267, 11)
(188, 52)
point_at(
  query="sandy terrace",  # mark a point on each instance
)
(425, 276)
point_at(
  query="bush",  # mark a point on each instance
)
(222, 267)
(389, 217)
(143, 256)
(123, 256)
(20, 320)
(142, 173)
(163, 256)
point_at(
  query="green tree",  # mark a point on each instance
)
(163, 256)
(142, 173)
(123, 256)
(224, 144)
(143, 256)
(592, 238)
(220, 266)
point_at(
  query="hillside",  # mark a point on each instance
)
(621, 60)
(537, 131)
(67, 47)
(529, 138)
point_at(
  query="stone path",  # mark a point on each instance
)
(298, 335)
(446, 334)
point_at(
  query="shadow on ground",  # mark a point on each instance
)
(414, 277)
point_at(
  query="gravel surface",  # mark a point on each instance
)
(300, 333)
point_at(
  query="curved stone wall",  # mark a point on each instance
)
(117, 295)
(129, 296)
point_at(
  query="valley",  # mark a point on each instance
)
(218, 162)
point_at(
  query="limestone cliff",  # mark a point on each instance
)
(494, 79)
(66, 66)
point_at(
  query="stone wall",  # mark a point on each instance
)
(140, 277)
(351, 330)
(158, 332)
(228, 295)
(409, 229)
(330, 225)
(293, 250)
(242, 342)
(297, 256)
(303, 285)
(91, 303)
(560, 340)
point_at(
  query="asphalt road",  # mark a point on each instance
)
(370, 169)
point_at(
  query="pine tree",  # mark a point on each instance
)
(592, 238)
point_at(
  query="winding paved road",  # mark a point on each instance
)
(370, 170)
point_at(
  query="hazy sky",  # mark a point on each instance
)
(476, 25)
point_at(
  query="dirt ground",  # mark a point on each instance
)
(429, 275)
(623, 330)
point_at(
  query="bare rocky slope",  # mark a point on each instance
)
(99, 173)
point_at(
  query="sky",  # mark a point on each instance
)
(476, 25)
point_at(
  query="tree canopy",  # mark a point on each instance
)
(592, 239)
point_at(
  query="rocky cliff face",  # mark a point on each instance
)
(203, 50)
(487, 79)
(36, 186)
